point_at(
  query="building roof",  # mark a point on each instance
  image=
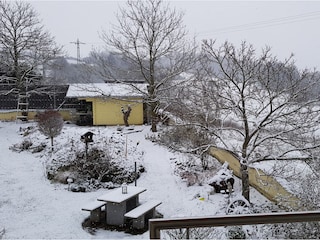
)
(106, 90)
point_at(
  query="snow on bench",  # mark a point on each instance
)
(142, 213)
(95, 210)
(142, 209)
(93, 206)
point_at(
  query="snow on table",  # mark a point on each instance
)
(116, 196)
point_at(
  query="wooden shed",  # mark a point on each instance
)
(105, 102)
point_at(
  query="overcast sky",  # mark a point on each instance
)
(286, 26)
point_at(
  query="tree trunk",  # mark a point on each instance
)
(153, 125)
(245, 181)
(153, 115)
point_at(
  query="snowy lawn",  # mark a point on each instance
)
(33, 207)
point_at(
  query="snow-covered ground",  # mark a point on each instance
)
(31, 207)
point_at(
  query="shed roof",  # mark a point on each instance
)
(106, 90)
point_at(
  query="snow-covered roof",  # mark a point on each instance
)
(106, 90)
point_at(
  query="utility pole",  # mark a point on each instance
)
(78, 49)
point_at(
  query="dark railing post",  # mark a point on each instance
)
(188, 236)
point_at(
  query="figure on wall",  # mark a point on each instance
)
(126, 114)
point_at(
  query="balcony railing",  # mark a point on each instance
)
(156, 225)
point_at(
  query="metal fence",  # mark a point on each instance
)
(156, 225)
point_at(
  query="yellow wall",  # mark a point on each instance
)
(12, 115)
(108, 111)
(105, 112)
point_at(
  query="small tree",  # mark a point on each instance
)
(50, 124)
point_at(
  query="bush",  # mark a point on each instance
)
(189, 137)
(94, 168)
(303, 230)
(23, 146)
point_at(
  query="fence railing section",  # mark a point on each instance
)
(156, 225)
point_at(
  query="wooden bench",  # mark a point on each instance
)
(95, 209)
(142, 213)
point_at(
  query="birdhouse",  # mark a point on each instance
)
(87, 137)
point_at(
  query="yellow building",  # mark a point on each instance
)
(106, 102)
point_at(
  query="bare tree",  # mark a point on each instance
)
(24, 47)
(268, 114)
(50, 123)
(152, 38)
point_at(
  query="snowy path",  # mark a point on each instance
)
(159, 179)
(161, 183)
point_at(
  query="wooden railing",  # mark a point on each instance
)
(156, 225)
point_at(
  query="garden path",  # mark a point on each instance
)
(162, 184)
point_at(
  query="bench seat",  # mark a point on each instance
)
(93, 205)
(95, 210)
(142, 213)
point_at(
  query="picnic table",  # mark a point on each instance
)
(118, 203)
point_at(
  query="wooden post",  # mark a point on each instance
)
(86, 150)
(135, 173)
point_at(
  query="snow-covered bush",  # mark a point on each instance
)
(303, 230)
(188, 167)
(194, 233)
(308, 191)
(28, 145)
(188, 139)
(236, 232)
(95, 168)
(25, 131)
(95, 164)
(184, 138)
(23, 146)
